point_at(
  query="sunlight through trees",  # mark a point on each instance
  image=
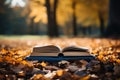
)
(71, 17)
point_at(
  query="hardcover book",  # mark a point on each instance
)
(52, 52)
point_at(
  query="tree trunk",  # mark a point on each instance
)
(32, 26)
(52, 23)
(4, 18)
(113, 28)
(102, 25)
(74, 20)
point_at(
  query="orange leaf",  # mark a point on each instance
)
(59, 72)
(43, 64)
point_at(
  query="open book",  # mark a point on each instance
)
(52, 52)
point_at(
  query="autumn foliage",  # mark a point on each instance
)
(105, 51)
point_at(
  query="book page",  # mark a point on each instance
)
(76, 51)
(43, 54)
(49, 50)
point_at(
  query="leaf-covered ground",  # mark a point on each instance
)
(13, 50)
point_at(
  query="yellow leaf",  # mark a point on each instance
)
(3, 51)
(59, 72)
(85, 77)
(19, 59)
(43, 64)
(1, 59)
(118, 60)
(7, 58)
(24, 62)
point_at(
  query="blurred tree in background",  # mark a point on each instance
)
(74, 2)
(113, 28)
(37, 16)
(51, 6)
(4, 21)
(58, 17)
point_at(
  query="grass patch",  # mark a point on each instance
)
(12, 37)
